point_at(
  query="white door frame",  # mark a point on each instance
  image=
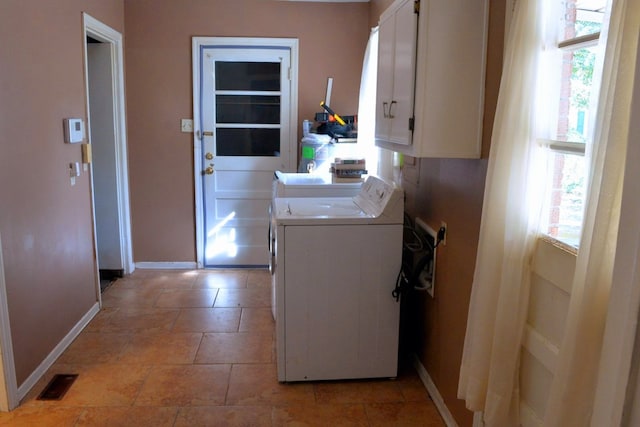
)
(198, 44)
(106, 34)
(9, 398)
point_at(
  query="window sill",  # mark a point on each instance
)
(559, 244)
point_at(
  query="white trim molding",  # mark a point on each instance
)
(57, 351)
(106, 34)
(166, 265)
(9, 398)
(197, 45)
(477, 419)
(434, 393)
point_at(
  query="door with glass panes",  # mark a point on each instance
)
(245, 133)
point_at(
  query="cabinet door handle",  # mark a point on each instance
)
(384, 109)
(391, 116)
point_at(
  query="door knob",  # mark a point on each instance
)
(208, 156)
(209, 170)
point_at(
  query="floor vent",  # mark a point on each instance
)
(58, 387)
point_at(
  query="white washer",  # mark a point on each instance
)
(335, 262)
(286, 184)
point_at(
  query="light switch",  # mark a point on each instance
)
(74, 169)
(186, 125)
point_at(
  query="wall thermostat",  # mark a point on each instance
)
(73, 130)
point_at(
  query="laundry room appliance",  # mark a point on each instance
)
(287, 184)
(335, 261)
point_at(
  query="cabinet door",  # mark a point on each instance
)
(396, 73)
(384, 91)
(401, 105)
(437, 78)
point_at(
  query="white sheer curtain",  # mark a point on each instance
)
(367, 104)
(499, 297)
(573, 387)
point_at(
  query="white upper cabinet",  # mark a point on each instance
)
(396, 71)
(431, 69)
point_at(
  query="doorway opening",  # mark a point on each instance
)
(245, 128)
(108, 159)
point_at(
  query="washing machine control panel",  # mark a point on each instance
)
(377, 196)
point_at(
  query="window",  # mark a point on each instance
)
(247, 108)
(570, 132)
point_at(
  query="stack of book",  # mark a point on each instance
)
(348, 170)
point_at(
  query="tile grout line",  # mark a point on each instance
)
(226, 392)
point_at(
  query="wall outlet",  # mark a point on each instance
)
(427, 277)
(186, 125)
(443, 234)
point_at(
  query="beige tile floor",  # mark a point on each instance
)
(197, 348)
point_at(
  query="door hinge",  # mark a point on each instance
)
(416, 7)
(412, 121)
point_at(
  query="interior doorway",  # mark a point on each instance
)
(107, 140)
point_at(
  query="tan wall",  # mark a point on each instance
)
(47, 236)
(452, 191)
(332, 39)
(376, 9)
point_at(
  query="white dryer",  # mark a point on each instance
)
(335, 262)
(286, 184)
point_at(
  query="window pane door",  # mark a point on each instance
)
(245, 104)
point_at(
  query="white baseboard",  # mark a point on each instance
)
(434, 393)
(56, 352)
(8, 387)
(528, 417)
(477, 419)
(166, 265)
